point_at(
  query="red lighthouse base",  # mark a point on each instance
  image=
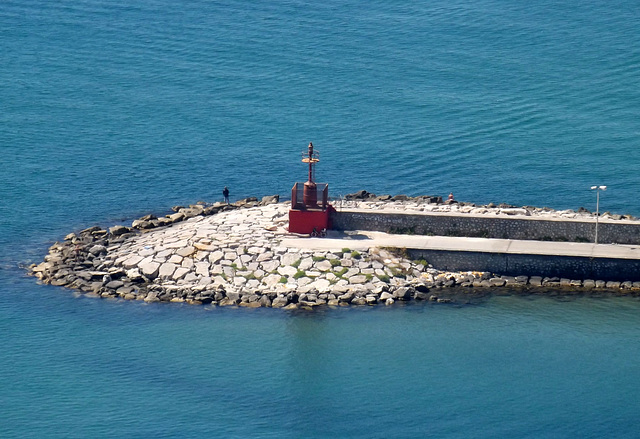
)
(304, 221)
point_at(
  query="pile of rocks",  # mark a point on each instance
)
(233, 257)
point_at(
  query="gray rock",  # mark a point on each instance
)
(176, 217)
(216, 256)
(186, 251)
(290, 258)
(265, 256)
(233, 296)
(60, 282)
(179, 273)
(152, 297)
(279, 302)
(97, 249)
(142, 224)
(226, 302)
(402, 293)
(149, 269)
(321, 285)
(119, 230)
(270, 199)
(134, 275)
(114, 284)
(346, 262)
(202, 268)
(357, 279)
(360, 195)
(191, 211)
(124, 290)
(323, 265)
(190, 277)
(515, 211)
(535, 281)
(166, 270)
(265, 301)
(287, 270)
(509, 280)
(522, 280)
(270, 266)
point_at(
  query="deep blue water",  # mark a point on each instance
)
(114, 109)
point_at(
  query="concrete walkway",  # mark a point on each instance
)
(364, 240)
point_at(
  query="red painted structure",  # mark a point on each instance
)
(310, 208)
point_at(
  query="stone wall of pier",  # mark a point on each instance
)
(619, 232)
(532, 265)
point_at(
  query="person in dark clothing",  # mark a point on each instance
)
(225, 194)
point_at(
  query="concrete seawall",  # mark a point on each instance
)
(571, 267)
(509, 246)
(485, 226)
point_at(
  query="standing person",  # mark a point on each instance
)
(225, 194)
(450, 198)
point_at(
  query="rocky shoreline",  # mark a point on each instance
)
(232, 255)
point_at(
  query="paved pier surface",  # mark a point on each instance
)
(363, 240)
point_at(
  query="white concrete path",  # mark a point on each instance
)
(364, 240)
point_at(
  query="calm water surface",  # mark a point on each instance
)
(508, 367)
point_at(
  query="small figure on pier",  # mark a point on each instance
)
(225, 194)
(450, 197)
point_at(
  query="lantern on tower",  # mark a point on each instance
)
(310, 208)
(310, 191)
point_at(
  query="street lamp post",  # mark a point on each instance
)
(598, 189)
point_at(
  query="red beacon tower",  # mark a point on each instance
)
(310, 208)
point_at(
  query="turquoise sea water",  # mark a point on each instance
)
(111, 110)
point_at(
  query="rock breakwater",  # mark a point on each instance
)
(233, 255)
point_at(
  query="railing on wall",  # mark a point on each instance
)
(297, 194)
